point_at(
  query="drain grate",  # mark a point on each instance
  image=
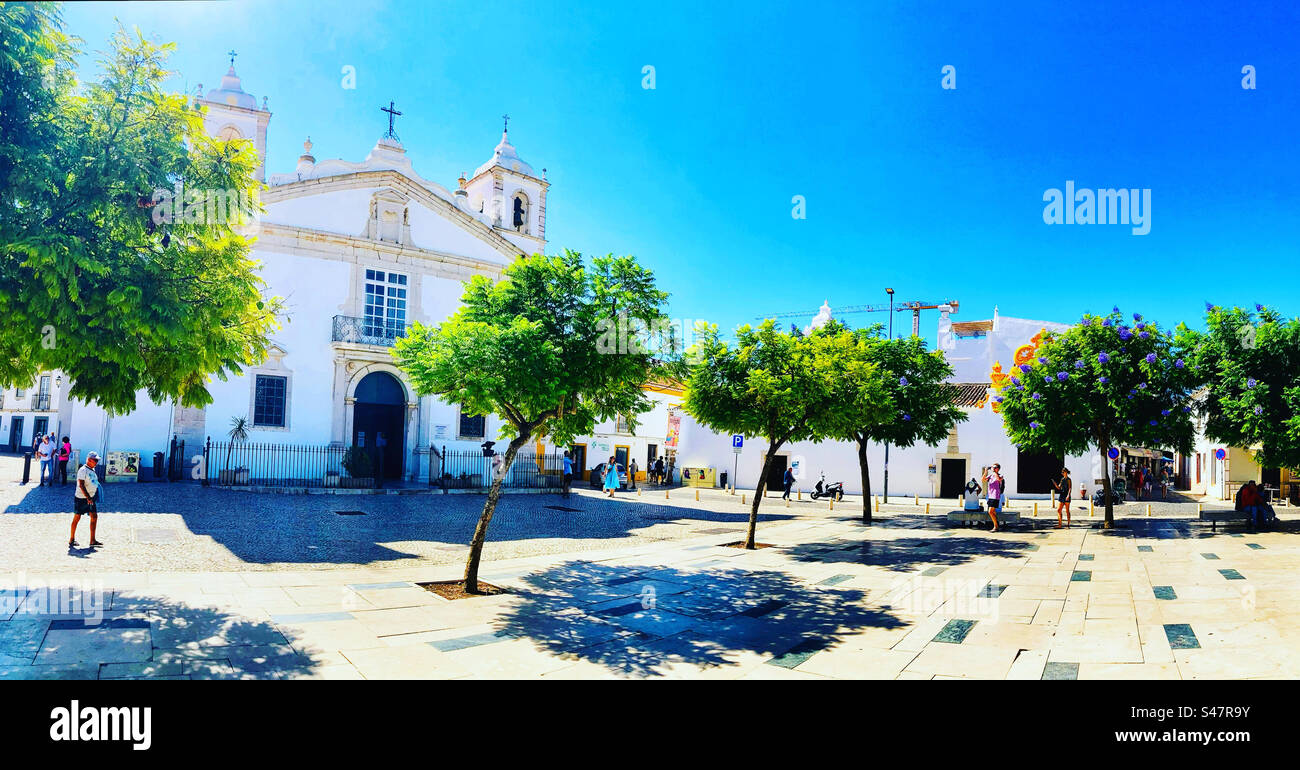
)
(351, 513)
(562, 508)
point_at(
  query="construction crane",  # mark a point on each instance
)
(947, 306)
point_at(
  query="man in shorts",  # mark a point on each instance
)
(85, 500)
(997, 484)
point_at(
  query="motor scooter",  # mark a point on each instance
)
(822, 489)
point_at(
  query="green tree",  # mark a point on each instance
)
(1101, 384)
(534, 348)
(1251, 366)
(900, 396)
(771, 384)
(97, 283)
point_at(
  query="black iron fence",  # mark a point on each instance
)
(461, 469)
(368, 331)
(242, 463)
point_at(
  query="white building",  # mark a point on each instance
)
(358, 250)
(30, 411)
(976, 350)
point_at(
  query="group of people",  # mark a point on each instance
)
(996, 483)
(54, 458)
(1253, 500)
(609, 474)
(1145, 481)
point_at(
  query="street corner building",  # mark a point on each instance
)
(359, 250)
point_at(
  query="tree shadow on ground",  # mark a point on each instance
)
(76, 631)
(904, 554)
(666, 621)
(261, 528)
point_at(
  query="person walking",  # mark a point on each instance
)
(45, 452)
(65, 453)
(631, 474)
(996, 484)
(659, 470)
(611, 477)
(1063, 497)
(85, 500)
(568, 473)
(788, 481)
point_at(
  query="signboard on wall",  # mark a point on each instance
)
(440, 432)
(674, 430)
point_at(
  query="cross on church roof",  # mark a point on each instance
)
(232, 56)
(392, 113)
(505, 128)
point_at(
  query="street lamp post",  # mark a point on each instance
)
(890, 292)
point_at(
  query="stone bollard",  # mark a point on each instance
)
(877, 505)
(742, 499)
(1035, 510)
(800, 494)
(1090, 513)
(1148, 510)
(832, 503)
(697, 495)
(927, 509)
(665, 494)
(638, 491)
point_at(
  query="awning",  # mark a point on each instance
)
(1134, 451)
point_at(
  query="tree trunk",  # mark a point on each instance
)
(866, 481)
(1109, 523)
(759, 490)
(489, 507)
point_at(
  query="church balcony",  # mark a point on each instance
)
(368, 331)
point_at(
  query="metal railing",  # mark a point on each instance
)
(368, 331)
(40, 402)
(242, 463)
(465, 469)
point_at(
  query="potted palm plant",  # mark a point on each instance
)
(238, 432)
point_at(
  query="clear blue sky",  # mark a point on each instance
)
(937, 193)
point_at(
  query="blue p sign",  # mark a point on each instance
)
(737, 441)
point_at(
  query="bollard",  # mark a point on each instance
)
(665, 494)
(832, 503)
(27, 467)
(916, 499)
(927, 509)
(1198, 508)
(1148, 510)
(742, 499)
(697, 495)
(800, 495)
(1090, 513)
(1035, 510)
(638, 492)
(877, 505)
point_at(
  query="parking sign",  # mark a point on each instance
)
(737, 441)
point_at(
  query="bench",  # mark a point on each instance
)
(975, 517)
(1216, 516)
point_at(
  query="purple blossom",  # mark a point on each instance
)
(1103, 358)
(1079, 364)
(1164, 412)
(902, 381)
(1107, 322)
(1015, 380)
(1125, 334)
(1259, 410)
(998, 399)
(1144, 335)
(1209, 306)
(907, 417)
(1062, 376)
(1047, 379)
(1042, 360)
(1137, 316)
(1187, 409)
(1128, 422)
(1138, 326)
(1151, 358)
(1142, 386)
(1154, 423)
(1115, 309)
(1025, 368)
(1179, 363)
(1037, 396)
(1034, 425)
(1103, 380)
(1259, 307)
(1250, 383)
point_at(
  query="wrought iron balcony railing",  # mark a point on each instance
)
(368, 331)
(40, 402)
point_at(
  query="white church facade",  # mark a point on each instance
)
(358, 251)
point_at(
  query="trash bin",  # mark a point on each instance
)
(722, 479)
(159, 464)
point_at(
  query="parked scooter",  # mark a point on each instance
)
(835, 491)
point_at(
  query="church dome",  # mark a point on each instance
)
(505, 156)
(232, 92)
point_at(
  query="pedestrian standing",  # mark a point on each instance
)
(568, 473)
(611, 477)
(65, 453)
(659, 470)
(45, 452)
(85, 500)
(788, 481)
(996, 484)
(631, 474)
(1063, 497)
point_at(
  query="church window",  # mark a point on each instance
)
(229, 133)
(472, 425)
(270, 401)
(385, 310)
(520, 212)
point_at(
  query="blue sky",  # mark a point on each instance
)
(937, 193)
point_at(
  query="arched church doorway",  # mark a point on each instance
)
(379, 419)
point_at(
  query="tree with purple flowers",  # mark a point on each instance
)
(1251, 365)
(1106, 382)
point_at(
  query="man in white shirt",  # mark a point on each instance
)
(45, 453)
(86, 499)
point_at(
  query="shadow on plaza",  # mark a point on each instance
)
(644, 621)
(90, 634)
(263, 528)
(905, 554)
